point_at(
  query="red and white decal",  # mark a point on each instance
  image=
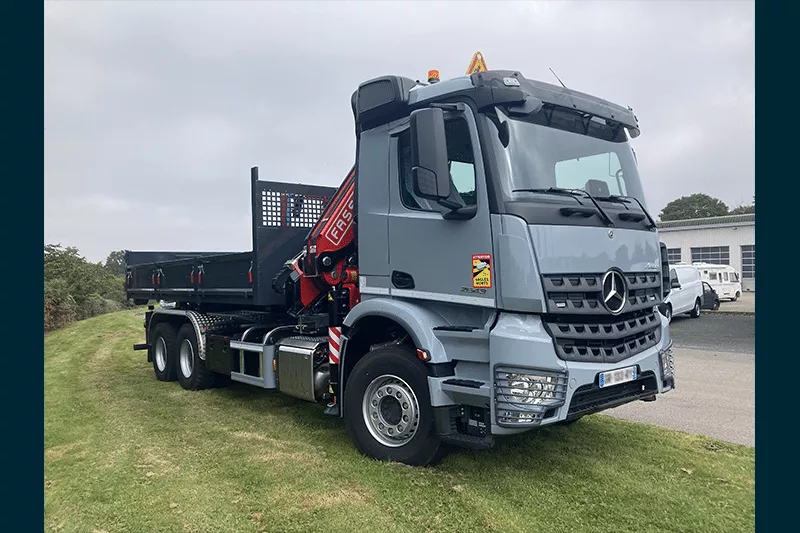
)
(334, 335)
(342, 220)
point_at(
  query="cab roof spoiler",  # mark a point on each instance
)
(386, 98)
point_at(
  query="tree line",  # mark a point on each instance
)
(702, 206)
(75, 288)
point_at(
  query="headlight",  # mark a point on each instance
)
(527, 389)
(523, 398)
(667, 361)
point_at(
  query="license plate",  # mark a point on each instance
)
(615, 377)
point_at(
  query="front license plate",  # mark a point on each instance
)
(615, 377)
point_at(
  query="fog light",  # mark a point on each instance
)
(516, 417)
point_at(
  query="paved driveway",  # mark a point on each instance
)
(715, 392)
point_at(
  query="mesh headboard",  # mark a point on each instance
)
(283, 214)
(291, 209)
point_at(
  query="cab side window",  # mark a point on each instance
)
(460, 160)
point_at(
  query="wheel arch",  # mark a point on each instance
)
(416, 321)
(380, 320)
(177, 318)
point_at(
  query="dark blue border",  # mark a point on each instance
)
(22, 265)
(777, 187)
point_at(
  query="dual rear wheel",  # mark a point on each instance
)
(176, 356)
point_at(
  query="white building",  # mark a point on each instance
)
(727, 240)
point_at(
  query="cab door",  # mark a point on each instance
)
(431, 258)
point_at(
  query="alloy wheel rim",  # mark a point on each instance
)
(390, 410)
(187, 358)
(161, 354)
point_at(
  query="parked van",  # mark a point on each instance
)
(686, 295)
(724, 278)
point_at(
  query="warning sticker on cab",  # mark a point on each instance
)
(482, 271)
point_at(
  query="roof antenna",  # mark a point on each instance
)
(559, 79)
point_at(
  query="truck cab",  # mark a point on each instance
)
(508, 235)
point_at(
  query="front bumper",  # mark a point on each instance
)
(521, 350)
(581, 393)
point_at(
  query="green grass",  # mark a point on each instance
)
(124, 452)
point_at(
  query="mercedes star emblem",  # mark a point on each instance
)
(615, 291)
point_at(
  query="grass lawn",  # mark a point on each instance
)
(124, 452)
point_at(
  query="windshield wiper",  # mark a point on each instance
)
(550, 190)
(600, 209)
(628, 199)
(572, 192)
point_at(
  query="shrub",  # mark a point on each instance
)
(75, 288)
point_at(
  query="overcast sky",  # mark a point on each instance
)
(155, 111)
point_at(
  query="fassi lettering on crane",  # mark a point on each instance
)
(343, 221)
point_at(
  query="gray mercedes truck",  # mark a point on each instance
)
(487, 267)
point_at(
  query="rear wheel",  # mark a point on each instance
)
(715, 307)
(736, 296)
(696, 309)
(387, 408)
(164, 349)
(192, 371)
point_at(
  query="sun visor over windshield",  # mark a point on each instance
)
(563, 97)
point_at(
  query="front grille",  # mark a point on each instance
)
(584, 330)
(603, 339)
(581, 293)
(591, 398)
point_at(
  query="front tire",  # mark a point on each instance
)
(192, 371)
(387, 408)
(696, 310)
(668, 313)
(165, 349)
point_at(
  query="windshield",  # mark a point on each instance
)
(565, 149)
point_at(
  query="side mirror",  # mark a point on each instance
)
(673, 280)
(429, 170)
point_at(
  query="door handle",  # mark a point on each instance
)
(402, 280)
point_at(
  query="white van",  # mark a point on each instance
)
(723, 278)
(686, 294)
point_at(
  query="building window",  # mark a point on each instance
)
(718, 255)
(674, 255)
(749, 261)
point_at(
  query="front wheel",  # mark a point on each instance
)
(668, 313)
(696, 309)
(387, 408)
(715, 307)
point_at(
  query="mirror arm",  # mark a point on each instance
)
(464, 213)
